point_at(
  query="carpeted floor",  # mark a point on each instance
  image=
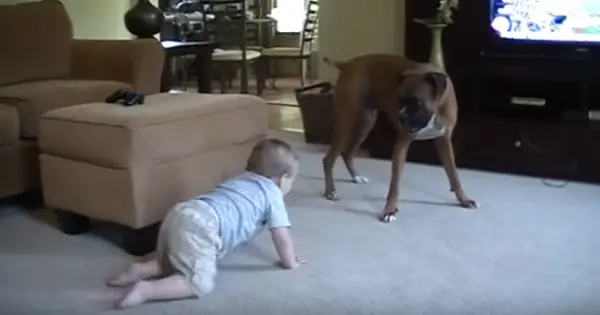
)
(530, 249)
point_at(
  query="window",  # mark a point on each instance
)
(290, 15)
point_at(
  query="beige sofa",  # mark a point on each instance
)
(43, 68)
(130, 165)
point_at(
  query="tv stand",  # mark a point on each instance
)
(573, 53)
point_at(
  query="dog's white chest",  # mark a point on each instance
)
(434, 129)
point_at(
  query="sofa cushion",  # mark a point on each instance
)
(32, 99)
(9, 125)
(167, 126)
(36, 38)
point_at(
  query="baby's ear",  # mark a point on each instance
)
(278, 180)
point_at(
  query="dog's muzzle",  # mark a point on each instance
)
(432, 130)
(419, 121)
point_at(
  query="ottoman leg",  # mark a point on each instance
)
(72, 223)
(139, 242)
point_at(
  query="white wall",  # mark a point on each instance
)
(351, 28)
(95, 19)
(98, 19)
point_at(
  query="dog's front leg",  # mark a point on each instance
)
(398, 160)
(446, 153)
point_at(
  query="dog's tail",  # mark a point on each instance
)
(336, 64)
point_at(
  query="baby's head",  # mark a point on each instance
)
(276, 160)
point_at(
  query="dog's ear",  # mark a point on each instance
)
(438, 82)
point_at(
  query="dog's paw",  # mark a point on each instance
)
(331, 195)
(360, 180)
(388, 217)
(468, 203)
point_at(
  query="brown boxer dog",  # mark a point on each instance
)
(418, 99)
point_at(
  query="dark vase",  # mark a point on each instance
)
(144, 20)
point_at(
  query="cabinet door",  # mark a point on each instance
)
(539, 149)
(423, 152)
(588, 153)
(490, 144)
(549, 150)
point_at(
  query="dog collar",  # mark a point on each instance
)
(432, 130)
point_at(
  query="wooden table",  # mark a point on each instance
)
(203, 52)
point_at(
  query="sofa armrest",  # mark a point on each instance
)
(138, 62)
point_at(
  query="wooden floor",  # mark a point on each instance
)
(284, 113)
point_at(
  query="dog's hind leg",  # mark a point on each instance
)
(347, 103)
(344, 120)
(342, 131)
(364, 124)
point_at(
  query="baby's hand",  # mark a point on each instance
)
(300, 260)
(297, 262)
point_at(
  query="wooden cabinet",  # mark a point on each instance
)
(488, 144)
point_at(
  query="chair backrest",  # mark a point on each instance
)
(225, 22)
(310, 28)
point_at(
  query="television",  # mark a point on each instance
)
(558, 21)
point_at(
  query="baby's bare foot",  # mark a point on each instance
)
(133, 274)
(135, 296)
(122, 280)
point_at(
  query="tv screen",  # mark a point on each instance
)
(547, 20)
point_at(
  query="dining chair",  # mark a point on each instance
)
(302, 52)
(228, 28)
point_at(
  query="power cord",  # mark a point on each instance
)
(571, 169)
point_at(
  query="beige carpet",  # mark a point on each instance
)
(531, 249)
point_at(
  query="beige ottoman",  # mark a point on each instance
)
(129, 165)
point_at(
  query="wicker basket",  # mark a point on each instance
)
(316, 106)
